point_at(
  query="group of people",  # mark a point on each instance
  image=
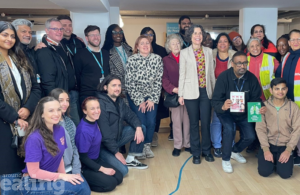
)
(80, 104)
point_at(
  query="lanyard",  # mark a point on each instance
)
(124, 56)
(186, 44)
(74, 49)
(241, 86)
(102, 72)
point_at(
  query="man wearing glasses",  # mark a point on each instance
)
(184, 24)
(56, 66)
(91, 63)
(236, 79)
(289, 69)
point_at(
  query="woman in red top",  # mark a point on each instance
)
(222, 60)
(258, 31)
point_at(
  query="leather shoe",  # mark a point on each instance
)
(196, 160)
(208, 157)
(176, 152)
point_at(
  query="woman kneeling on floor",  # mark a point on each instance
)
(101, 176)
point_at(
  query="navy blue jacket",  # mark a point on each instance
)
(289, 72)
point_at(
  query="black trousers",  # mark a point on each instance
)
(266, 168)
(195, 108)
(100, 182)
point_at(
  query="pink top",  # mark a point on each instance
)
(35, 172)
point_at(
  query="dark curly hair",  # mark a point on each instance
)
(37, 124)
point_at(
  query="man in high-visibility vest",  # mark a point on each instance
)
(289, 69)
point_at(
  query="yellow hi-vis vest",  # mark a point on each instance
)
(266, 73)
(296, 78)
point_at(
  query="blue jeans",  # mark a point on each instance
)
(58, 187)
(135, 149)
(74, 106)
(216, 131)
(148, 119)
(247, 134)
(8, 183)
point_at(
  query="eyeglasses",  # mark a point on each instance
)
(148, 35)
(94, 35)
(239, 64)
(235, 38)
(295, 40)
(57, 29)
(117, 33)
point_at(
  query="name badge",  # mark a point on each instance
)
(101, 79)
(38, 78)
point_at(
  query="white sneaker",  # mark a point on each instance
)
(226, 165)
(149, 153)
(136, 165)
(238, 157)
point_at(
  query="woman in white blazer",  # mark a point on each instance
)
(196, 84)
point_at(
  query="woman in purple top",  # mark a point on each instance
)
(101, 176)
(43, 147)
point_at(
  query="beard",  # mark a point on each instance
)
(92, 44)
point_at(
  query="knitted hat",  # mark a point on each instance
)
(234, 34)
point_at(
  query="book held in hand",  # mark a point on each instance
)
(253, 112)
(238, 101)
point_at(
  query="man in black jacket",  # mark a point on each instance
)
(70, 40)
(24, 32)
(114, 112)
(56, 66)
(236, 79)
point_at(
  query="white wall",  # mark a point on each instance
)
(133, 26)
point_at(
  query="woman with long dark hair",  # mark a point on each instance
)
(71, 156)
(119, 52)
(43, 147)
(258, 31)
(162, 111)
(19, 94)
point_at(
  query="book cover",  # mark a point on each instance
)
(238, 101)
(253, 112)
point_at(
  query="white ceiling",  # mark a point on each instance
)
(33, 4)
(167, 5)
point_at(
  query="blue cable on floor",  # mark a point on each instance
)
(179, 178)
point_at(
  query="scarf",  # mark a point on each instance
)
(69, 125)
(6, 82)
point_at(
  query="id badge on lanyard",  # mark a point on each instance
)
(102, 78)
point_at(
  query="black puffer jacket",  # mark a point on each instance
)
(113, 115)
